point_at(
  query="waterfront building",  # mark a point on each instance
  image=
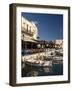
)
(29, 33)
(58, 43)
(29, 30)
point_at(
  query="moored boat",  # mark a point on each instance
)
(39, 63)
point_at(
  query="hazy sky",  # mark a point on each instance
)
(50, 26)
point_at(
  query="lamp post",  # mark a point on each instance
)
(47, 49)
(38, 46)
(43, 51)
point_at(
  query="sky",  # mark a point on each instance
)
(50, 26)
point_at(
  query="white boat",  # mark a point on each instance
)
(40, 63)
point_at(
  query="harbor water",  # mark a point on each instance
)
(52, 65)
(56, 69)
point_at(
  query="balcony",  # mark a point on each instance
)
(28, 32)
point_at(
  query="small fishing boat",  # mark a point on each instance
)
(39, 63)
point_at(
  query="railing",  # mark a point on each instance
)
(27, 31)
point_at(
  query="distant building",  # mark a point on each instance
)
(59, 43)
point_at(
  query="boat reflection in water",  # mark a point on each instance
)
(51, 65)
(56, 69)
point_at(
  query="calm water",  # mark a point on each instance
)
(56, 69)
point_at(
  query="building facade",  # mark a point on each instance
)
(29, 30)
(59, 43)
(29, 34)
